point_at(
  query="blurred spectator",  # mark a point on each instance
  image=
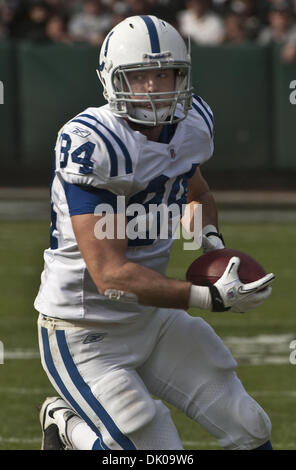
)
(54, 6)
(91, 24)
(200, 23)
(120, 11)
(221, 6)
(10, 18)
(205, 21)
(33, 26)
(281, 29)
(7, 15)
(253, 14)
(235, 29)
(137, 7)
(166, 10)
(56, 30)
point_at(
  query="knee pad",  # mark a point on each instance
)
(125, 398)
(253, 419)
(249, 426)
(234, 418)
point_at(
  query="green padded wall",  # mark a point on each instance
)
(56, 83)
(247, 87)
(235, 83)
(9, 129)
(284, 113)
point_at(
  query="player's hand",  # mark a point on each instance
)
(211, 239)
(229, 293)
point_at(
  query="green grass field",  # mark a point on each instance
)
(272, 380)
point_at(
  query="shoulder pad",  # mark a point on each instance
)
(202, 111)
(89, 151)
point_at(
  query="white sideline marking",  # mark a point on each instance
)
(261, 349)
(21, 354)
(200, 444)
(17, 440)
(247, 350)
(273, 340)
(274, 393)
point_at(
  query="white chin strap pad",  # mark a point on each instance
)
(144, 114)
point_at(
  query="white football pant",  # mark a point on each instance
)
(108, 372)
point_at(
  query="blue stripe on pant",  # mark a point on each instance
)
(85, 391)
(55, 375)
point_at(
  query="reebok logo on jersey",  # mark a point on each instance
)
(93, 338)
(81, 132)
(172, 153)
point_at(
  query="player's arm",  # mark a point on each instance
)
(110, 269)
(198, 192)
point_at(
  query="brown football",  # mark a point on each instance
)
(208, 268)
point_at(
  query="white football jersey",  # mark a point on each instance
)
(98, 157)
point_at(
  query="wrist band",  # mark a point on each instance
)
(200, 297)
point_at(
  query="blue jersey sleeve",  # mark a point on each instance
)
(85, 199)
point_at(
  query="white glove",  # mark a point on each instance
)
(211, 239)
(229, 293)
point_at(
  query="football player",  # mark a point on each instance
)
(113, 328)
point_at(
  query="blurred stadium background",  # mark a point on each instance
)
(245, 71)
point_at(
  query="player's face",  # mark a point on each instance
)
(152, 81)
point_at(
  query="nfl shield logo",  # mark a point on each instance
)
(172, 152)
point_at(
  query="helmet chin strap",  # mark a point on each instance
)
(144, 114)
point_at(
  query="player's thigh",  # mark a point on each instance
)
(192, 369)
(113, 400)
(188, 353)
